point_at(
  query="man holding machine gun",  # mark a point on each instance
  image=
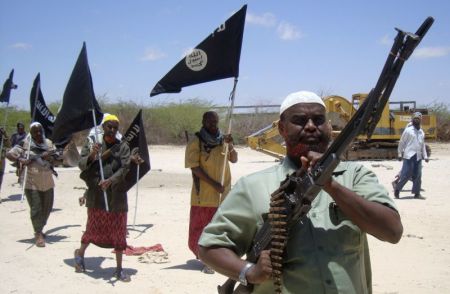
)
(39, 177)
(327, 250)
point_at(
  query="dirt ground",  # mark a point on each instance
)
(420, 263)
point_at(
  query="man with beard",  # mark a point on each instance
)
(204, 156)
(39, 178)
(327, 250)
(106, 229)
(411, 149)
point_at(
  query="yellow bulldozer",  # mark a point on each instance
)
(383, 143)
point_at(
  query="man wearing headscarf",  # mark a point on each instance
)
(412, 150)
(204, 156)
(39, 178)
(105, 229)
(327, 250)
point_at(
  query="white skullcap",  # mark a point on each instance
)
(417, 114)
(35, 124)
(300, 97)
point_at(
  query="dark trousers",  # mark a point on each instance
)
(2, 170)
(411, 170)
(41, 204)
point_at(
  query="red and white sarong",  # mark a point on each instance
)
(106, 229)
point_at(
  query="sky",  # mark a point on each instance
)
(329, 47)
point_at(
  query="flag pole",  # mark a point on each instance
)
(137, 193)
(25, 175)
(25, 172)
(105, 197)
(225, 146)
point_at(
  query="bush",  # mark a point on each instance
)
(167, 123)
(11, 116)
(443, 120)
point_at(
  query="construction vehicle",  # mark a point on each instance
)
(383, 143)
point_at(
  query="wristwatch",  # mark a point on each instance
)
(244, 270)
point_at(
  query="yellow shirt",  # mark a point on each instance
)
(211, 163)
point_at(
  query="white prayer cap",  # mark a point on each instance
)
(417, 115)
(35, 124)
(300, 97)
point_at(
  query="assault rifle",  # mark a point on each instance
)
(300, 188)
(54, 155)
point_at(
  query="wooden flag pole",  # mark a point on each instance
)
(137, 193)
(225, 146)
(102, 176)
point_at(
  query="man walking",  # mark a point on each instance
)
(412, 150)
(39, 185)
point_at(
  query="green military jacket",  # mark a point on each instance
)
(325, 253)
(115, 167)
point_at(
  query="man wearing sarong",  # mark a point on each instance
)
(204, 156)
(106, 229)
(39, 178)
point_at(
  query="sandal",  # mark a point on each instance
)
(121, 276)
(79, 262)
(207, 270)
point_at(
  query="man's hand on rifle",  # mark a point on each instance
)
(23, 161)
(309, 161)
(262, 271)
(46, 156)
(218, 187)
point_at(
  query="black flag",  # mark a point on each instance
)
(7, 87)
(39, 110)
(78, 101)
(217, 57)
(135, 137)
(42, 114)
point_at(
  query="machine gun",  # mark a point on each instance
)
(293, 199)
